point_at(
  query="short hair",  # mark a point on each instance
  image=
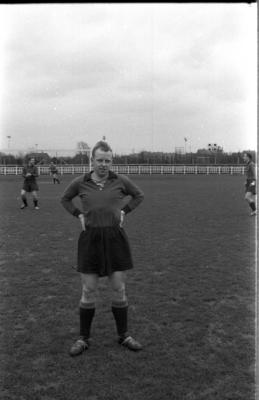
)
(249, 155)
(101, 145)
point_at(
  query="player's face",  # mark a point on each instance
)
(246, 158)
(102, 162)
(32, 161)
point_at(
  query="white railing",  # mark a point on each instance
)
(136, 169)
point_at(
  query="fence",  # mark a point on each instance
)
(136, 169)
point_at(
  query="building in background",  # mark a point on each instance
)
(213, 147)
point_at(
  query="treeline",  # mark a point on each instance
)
(202, 156)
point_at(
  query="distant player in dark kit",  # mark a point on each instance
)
(30, 173)
(54, 173)
(250, 185)
(103, 247)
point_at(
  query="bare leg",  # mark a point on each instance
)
(24, 199)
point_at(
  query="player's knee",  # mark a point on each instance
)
(248, 197)
(119, 293)
(88, 295)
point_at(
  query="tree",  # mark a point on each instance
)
(84, 151)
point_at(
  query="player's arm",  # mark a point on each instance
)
(253, 172)
(24, 172)
(69, 194)
(132, 190)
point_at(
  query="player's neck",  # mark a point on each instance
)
(98, 178)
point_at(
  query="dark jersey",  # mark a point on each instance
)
(102, 204)
(53, 169)
(33, 170)
(250, 177)
(250, 171)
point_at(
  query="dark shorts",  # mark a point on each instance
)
(30, 186)
(250, 188)
(103, 251)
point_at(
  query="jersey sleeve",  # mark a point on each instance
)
(69, 194)
(253, 171)
(131, 189)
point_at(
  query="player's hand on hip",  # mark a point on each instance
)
(82, 221)
(122, 218)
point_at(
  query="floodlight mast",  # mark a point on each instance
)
(9, 140)
(84, 148)
(90, 163)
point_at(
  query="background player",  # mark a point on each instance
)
(250, 182)
(54, 172)
(30, 173)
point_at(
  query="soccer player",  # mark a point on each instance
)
(103, 246)
(30, 173)
(54, 172)
(250, 182)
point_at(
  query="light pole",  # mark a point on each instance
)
(9, 140)
(185, 144)
(185, 141)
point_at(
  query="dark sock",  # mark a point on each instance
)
(24, 201)
(86, 317)
(121, 318)
(35, 202)
(252, 205)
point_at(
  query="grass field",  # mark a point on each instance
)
(191, 296)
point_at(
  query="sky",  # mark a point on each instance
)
(147, 76)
